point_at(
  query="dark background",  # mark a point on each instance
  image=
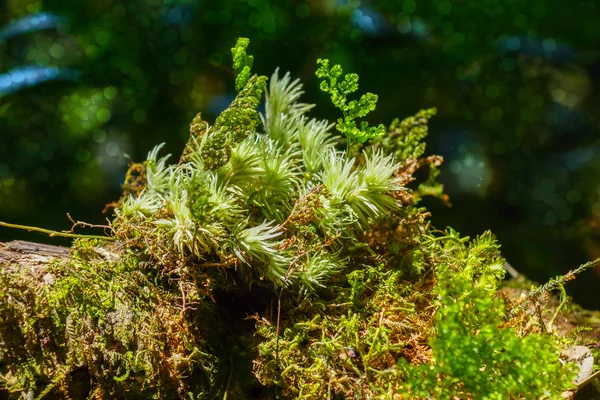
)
(515, 83)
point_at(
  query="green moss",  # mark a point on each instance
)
(274, 261)
(110, 317)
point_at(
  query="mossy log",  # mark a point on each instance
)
(93, 321)
(271, 265)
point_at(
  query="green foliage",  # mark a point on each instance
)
(475, 352)
(236, 188)
(234, 124)
(110, 313)
(406, 139)
(372, 302)
(242, 63)
(363, 342)
(339, 88)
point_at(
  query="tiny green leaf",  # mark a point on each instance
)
(339, 91)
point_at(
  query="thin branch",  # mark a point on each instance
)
(52, 233)
(551, 285)
(85, 224)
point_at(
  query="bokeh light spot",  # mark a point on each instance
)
(180, 57)
(509, 64)
(42, 58)
(57, 51)
(139, 116)
(302, 11)
(549, 45)
(447, 28)
(409, 6)
(550, 218)
(216, 58)
(496, 113)
(492, 91)
(175, 78)
(33, 149)
(112, 149)
(596, 209)
(169, 36)
(445, 8)
(102, 38)
(520, 21)
(255, 20)
(119, 10)
(82, 155)
(269, 26)
(42, 174)
(110, 93)
(99, 136)
(103, 115)
(574, 196)
(224, 16)
(517, 164)
(513, 43)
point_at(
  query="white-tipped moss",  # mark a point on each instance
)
(317, 269)
(364, 191)
(372, 201)
(339, 176)
(315, 142)
(259, 244)
(142, 206)
(158, 172)
(279, 184)
(221, 209)
(180, 228)
(282, 108)
(244, 167)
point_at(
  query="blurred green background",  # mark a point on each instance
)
(86, 86)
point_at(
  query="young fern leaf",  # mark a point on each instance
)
(339, 89)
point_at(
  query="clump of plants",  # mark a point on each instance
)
(280, 258)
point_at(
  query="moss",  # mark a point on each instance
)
(278, 264)
(117, 318)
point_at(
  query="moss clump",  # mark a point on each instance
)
(274, 262)
(386, 334)
(107, 315)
